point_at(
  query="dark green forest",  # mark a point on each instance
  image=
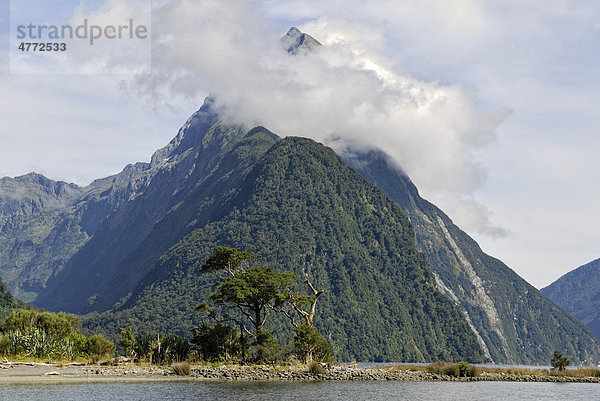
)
(515, 321)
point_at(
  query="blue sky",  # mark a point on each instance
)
(525, 185)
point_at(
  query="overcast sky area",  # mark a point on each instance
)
(491, 107)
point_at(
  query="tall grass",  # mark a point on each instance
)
(461, 369)
(315, 368)
(181, 368)
(581, 372)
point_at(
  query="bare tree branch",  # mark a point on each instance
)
(286, 313)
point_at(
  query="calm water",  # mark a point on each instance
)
(372, 391)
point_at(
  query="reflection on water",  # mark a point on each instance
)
(371, 391)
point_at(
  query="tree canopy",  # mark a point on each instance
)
(559, 362)
(252, 291)
(229, 259)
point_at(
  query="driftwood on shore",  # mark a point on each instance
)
(6, 363)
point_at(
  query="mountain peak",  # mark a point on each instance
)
(294, 32)
(190, 134)
(295, 41)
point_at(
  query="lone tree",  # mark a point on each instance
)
(559, 362)
(304, 305)
(251, 292)
(231, 261)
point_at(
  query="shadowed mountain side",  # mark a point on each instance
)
(151, 191)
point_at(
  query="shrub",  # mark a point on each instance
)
(267, 349)
(559, 362)
(144, 345)
(57, 325)
(174, 348)
(32, 343)
(464, 370)
(217, 343)
(461, 369)
(444, 368)
(80, 343)
(127, 341)
(309, 344)
(99, 347)
(4, 345)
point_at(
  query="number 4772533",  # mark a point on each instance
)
(42, 47)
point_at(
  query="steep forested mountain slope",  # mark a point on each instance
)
(302, 206)
(514, 321)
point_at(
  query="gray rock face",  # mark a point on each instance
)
(297, 42)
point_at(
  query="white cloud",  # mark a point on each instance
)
(423, 79)
(346, 89)
(75, 128)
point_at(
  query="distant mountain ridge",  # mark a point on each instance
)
(578, 292)
(90, 218)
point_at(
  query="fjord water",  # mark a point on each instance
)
(372, 391)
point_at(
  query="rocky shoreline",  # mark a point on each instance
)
(31, 373)
(341, 373)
